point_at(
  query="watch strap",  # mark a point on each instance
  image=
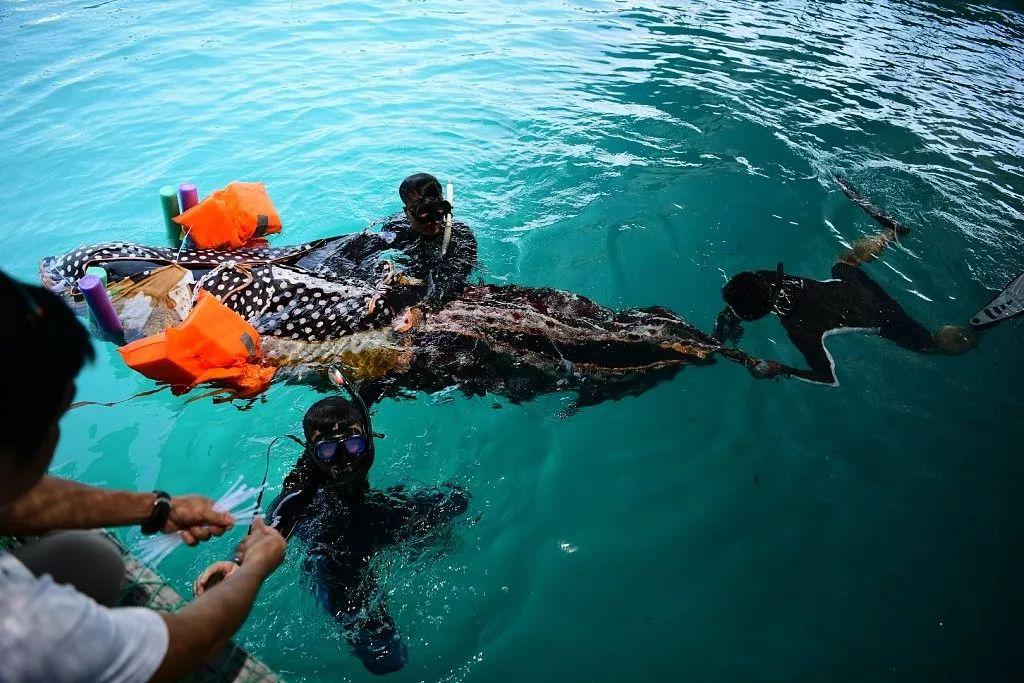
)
(159, 514)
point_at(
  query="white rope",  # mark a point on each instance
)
(184, 240)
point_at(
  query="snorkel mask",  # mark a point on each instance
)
(330, 451)
(429, 210)
(333, 448)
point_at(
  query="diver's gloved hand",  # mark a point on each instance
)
(728, 327)
(379, 647)
(196, 519)
(764, 369)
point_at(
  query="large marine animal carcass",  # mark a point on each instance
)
(517, 342)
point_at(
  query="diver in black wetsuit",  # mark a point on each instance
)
(434, 269)
(811, 309)
(327, 501)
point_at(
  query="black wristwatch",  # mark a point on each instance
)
(158, 517)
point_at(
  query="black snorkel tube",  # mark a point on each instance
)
(338, 379)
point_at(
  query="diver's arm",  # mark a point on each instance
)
(367, 245)
(197, 631)
(355, 254)
(288, 509)
(56, 503)
(297, 492)
(449, 275)
(812, 346)
(762, 368)
(435, 507)
(728, 327)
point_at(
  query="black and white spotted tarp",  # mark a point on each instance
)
(63, 272)
(291, 303)
(257, 283)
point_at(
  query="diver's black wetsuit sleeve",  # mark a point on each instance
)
(728, 327)
(362, 251)
(297, 493)
(425, 509)
(449, 274)
(812, 345)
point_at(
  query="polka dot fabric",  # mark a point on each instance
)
(65, 270)
(291, 303)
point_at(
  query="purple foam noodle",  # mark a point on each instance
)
(99, 305)
(189, 196)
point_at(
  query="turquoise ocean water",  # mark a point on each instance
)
(714, 528)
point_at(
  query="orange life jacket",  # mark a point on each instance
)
(213, 344)
(231, 217)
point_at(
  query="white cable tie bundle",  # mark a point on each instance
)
(240, 501)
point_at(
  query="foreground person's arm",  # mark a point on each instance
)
(201, 628)
(56, 503)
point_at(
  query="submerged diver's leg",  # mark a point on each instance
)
(375, 640)
(953, 340)
(910, 334)
(870, 247)
(352, 598)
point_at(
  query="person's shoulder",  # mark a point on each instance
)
(463, 229)
(51, 632)
(22, 592)
(396, 222)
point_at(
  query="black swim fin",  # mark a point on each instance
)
(1007, 304)
(863, 202)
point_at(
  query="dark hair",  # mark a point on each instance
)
(419, 185)
(325, 413)
(45, 347)
(751, 295)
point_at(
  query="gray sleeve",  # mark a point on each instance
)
(63, 635)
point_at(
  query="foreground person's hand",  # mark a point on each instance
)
(196, 519)
(263, 547)
(200, 628)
